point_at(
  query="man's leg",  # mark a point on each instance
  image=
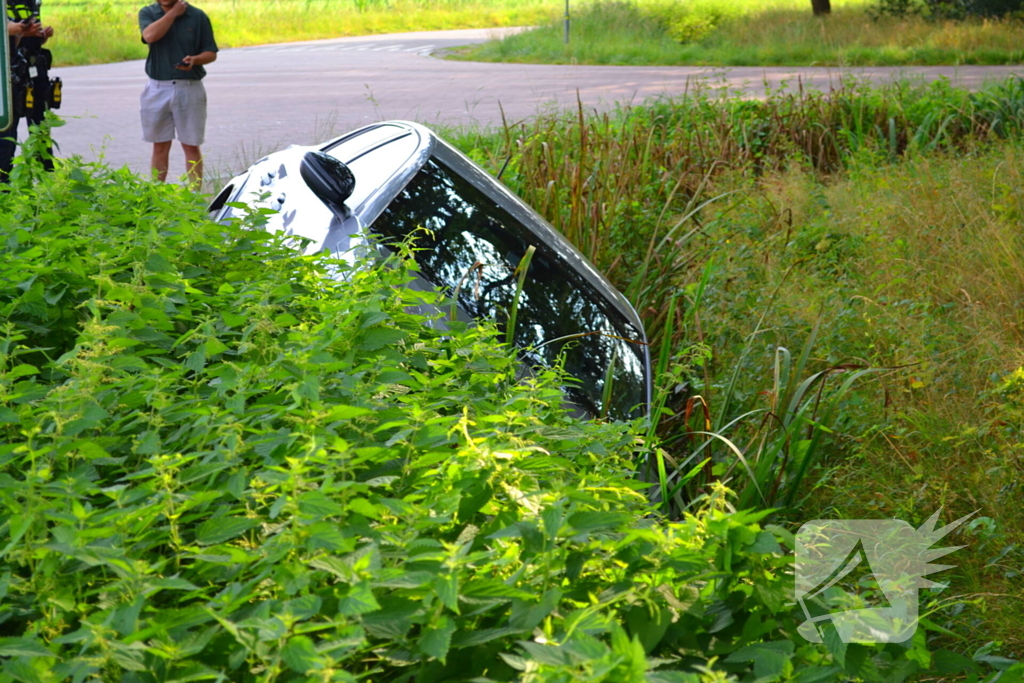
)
(193, 165)
(190, 121)
(160, 159)
(158, 123)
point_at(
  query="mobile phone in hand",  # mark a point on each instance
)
(182, 64)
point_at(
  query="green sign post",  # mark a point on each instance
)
(6, 110)
(566, 22)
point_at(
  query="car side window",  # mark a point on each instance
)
(470, 246)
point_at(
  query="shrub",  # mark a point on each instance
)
(681, 22)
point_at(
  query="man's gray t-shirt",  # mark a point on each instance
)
(190, 34)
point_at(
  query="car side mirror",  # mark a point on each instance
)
(328, 178)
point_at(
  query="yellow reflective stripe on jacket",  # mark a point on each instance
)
(19, 12)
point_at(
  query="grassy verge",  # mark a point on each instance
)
(786, 246)
(649, 32)
(108, 31)
(719, 34)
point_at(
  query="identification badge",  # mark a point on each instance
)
(33, 71)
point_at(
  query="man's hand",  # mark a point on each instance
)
(177, 9)
(31, 28)
(200, 59)
(158, 29)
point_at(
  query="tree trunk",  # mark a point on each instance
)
(821, 7)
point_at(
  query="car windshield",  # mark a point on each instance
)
(470, 247)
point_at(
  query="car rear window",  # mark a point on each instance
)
(472, 246)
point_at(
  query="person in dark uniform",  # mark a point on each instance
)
(30, 76)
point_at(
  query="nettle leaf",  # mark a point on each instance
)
(358, 599)
(128, 363)
(770, 659)
(92, 416)
(26, 670)
(833, 641)
(23, 647)
(214, 346)
(196, 360)
(583, 646)
(173, 583)
(526, 615)
(300, 655)
(491, 590)
(286, 320)
(317, 504)
(234, 319)
(345, 412)
(377, 338)
(552, 655)
(648, 624)
(371, 318)
(817, 674)
(394, 618)
(22, 370)
(764, 543)
(948, 662)
(130, 657)
(481, 636)
(328, 536)
(220, 529)
(436, 640)
(301, 608)
(597, 521)
(156, 263)
(399, 578)
(365, 508)
(334, 565)
(447, 588)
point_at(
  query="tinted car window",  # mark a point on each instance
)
(472, 246)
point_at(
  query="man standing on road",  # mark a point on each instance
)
(180, 40)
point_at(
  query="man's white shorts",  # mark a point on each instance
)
(169, 106)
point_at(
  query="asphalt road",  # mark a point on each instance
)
(266, 97)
